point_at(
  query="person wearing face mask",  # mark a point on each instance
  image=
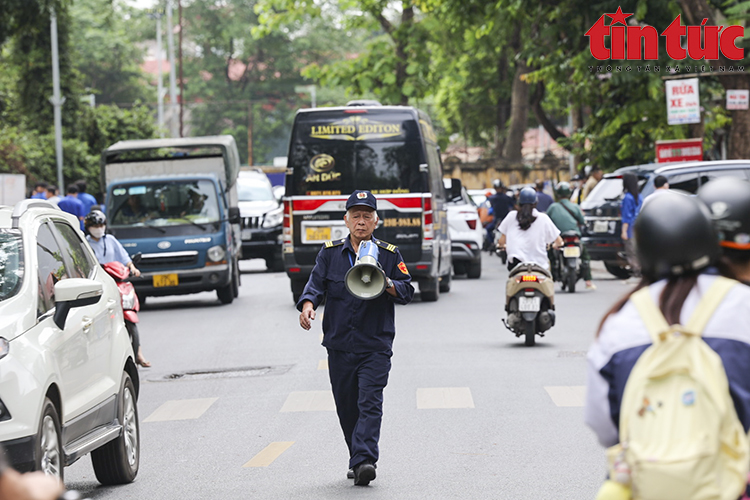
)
(108, 249)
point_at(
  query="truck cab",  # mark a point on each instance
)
(174, 201)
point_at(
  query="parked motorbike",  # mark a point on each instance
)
(568, 266)
(529, 301)
(128, 299)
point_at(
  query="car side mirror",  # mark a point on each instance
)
(234, 215)
(454, 193)
(278, 192)
(74, 292)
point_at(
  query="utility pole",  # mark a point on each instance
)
(250, 133)
(173, 118)
(156, 14)
(56, 100)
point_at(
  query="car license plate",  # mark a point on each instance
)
(529, 304)
(317, 234)
(247, 234)
(162, 280)
(571, 252)
(601, 226)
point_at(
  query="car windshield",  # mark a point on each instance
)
(250, 190)
(11, 263)
(164, 203)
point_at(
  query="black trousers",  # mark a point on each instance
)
(357, 381)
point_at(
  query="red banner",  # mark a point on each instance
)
(679, 150)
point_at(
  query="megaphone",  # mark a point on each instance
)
(366, 280)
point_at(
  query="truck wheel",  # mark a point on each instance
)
(275, 264)
(117, 461)
(226, 293)
(49, 453)
(475, 270)
(298, 286)
(236, 280)
(459, 268)
(445, 283)
(428, 289)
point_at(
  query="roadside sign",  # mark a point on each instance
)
(738, 99)
(679, 150)
(683, 102)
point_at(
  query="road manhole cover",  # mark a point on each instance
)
(251, 371)
(571, 354)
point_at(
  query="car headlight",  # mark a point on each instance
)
(274, 218)
(216, 253)
(4, 347)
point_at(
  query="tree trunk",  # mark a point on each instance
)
(501, 111)
(519, 110)
(739, 132)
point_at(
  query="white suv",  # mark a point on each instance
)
(68, 383)
(465, 228)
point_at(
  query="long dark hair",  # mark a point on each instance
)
(525, 216)
(630, 183)
(671, 300)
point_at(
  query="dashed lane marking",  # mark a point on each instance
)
(567, 395)
(323, 364)
(444, 397)
(269, 454)
(309, 401)
(182, 409)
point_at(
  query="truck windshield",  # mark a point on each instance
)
(163, 203)
(334, 153)
(11, 263)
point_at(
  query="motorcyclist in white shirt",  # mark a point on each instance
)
(526, 232)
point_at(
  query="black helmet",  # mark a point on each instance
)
(95, 218)
(527, 196)
(728, 199)
(563, 190)
(674, 235)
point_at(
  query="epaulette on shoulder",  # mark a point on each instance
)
(331, 244)
(388, 246)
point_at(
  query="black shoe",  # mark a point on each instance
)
(364, 473)
(350, 474)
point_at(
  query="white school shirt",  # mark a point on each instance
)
(529, 245)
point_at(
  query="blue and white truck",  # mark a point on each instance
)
(175, 202)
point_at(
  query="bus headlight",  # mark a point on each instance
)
(216, 253)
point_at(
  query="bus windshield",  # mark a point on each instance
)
(164, 203)
(334, 153)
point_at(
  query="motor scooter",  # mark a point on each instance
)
(569, 261)
(529, 301)
(128, 299)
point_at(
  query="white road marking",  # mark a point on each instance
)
(181, 409)
(444, 397)
(269, 454)
(567, 395)
(309, 401)
(323, 364)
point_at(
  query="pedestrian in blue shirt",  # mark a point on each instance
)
(87, 199)
(72, 204)
(543, 199)
(39, 192)
(629, 210)
(358, 334)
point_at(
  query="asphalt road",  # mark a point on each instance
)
(237, 404)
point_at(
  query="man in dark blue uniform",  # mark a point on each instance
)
(358, 334)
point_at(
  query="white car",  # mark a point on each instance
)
(465, 229)
(68, 382)
(262, 219)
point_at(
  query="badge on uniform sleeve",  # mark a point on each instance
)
(402, 268)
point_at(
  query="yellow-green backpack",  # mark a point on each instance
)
(680, 437)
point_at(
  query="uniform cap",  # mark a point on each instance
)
(362, 198)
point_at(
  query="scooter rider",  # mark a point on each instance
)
(676, 247)
(728, 199)
(108, 249)
(567, 216)
(527, 232)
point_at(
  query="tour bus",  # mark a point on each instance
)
(388, 150)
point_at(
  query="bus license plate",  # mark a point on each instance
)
(162, 280)
(529, 304)
(601, 226)
(317, 234)
(571, 252)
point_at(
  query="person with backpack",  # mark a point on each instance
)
(729, 201)
(667, 386)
